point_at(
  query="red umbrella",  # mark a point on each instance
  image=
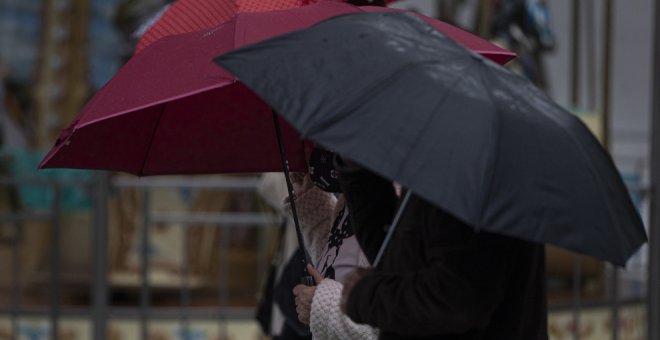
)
(171, 110)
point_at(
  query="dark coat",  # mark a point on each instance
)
(441, 279)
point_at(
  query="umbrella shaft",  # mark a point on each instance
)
(285, 166)
(391, 229)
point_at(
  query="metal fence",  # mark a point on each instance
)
(99, 310)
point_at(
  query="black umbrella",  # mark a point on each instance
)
(395, 95)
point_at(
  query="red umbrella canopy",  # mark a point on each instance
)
(171, 110)
(185, 16)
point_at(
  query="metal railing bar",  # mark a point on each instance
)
(197, 313)
(229, 313)
(596, 304)
(185, 286)
(24, 216)
(577, 294)
(43, 181)
(209, 311)
(653, 265)
(262, 245)
(155, 313)
(223, 284)
(99, 289)
(144, 254)
(614, 301)
(16, 279)
(193, 182)
(225, 219)
(164, 217)
(56, 242)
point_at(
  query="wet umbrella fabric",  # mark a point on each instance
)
(171, 110)
(477, 140)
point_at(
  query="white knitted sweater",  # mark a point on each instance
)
(328, 322)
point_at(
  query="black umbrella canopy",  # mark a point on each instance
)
(477, 140)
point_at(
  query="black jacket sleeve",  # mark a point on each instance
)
(456, 293)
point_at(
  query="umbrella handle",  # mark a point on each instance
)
(306, 279)
(390, 230)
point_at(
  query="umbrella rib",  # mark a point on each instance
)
(151, 141)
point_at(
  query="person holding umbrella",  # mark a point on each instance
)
(332, 247)
(439, 279)
(493, 169)
(326, 223)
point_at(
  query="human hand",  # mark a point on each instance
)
(305, 295)
(351, 279)
(301, 182)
